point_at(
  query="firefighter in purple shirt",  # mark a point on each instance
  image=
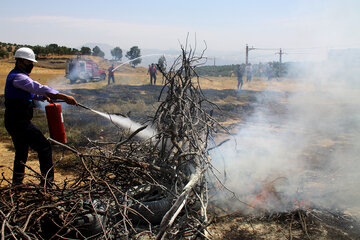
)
(20, 91)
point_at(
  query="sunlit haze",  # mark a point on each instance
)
(305, 30)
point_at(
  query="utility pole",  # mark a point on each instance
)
(280, 55)
(280, 61)
(247, 53)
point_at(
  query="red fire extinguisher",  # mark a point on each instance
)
(55, 122)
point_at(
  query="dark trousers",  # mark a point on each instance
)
(111, 77)
(240, 83)
(152, 76)
(248, 78)
(24, 135)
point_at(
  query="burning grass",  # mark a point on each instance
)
(313, 223)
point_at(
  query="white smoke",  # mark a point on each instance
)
(304, 144)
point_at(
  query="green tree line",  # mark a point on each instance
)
(258, 70)
(9, 49)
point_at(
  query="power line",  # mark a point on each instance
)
(282, 51)
(303, 53)
(262, 55)
(265, 49)
(247, 49)
(310, 48)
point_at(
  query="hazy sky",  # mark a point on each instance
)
(301, 28)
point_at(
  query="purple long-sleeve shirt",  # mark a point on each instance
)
(25, 83)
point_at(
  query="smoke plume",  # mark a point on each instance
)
(300, 145)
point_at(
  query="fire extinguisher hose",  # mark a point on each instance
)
(80, 105)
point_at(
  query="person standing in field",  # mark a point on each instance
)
(111, 74)
(20, 93)
(248, 70)
(269, 72)
(152, 72)
(240, 74)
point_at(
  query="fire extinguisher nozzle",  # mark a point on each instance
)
(80, 105)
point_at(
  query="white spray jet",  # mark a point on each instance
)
(126, 123)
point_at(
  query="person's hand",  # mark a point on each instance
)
(46, 98)
(70, 100)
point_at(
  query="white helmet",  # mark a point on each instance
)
(25, 53)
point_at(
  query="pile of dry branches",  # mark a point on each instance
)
(130, 188)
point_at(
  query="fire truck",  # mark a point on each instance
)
(84, 70)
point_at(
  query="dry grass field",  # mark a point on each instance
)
(126, 76)
(136, 77)
(132, 92)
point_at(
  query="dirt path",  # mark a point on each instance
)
(6, 160)
(6, 164)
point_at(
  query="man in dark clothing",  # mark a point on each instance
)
(152, 72)
(20, 91)
(111, 74)
(269, 72)
(240, 73)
